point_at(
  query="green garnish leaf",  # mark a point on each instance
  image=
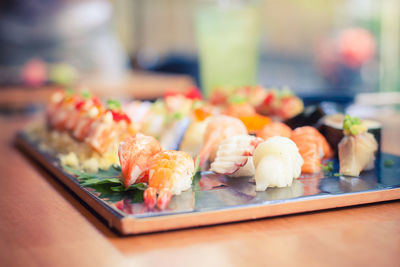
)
(72, 170)
(69, 91)
(237, 99)
(121, 188)
(177, 115)
(197, 104)
(86, 94)
(195, 181)
(110, 177)
(337, 174)
(285, 92)
(197, 164)
(353, 125)
(113, 104)
(97, 181)
(388, 163)
(328, 167)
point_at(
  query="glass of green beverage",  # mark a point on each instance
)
(228, 36)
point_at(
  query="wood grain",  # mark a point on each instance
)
(43, 224)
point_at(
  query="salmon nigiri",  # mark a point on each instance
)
(275, 128)
(134, 156)
(312, 147)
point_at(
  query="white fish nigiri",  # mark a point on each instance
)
(278, 162)
(234, 156)
(356, 153)
(193, 139)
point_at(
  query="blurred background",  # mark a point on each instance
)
(331, 48)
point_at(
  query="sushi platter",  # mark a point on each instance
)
(184, 162)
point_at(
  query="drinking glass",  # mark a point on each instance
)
(228, 36)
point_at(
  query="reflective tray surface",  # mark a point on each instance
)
(217, 198)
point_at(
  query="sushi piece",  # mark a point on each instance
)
(235, 156)
(253, 94)
(174, 133)
(332, 128)
(89, 112)
(357, 148)
(280, 103)
(275, 129)
(218, 129)
(59, 112)
(241, 109)
(170, 173)
(55, 102)
(313, 148)
(277, 162)
(313, 114)
(308, 117)
(137, 110)
(134, 155)
(113, 126)
(193, 139)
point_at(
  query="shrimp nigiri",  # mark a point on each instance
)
(134, 156)
(170, 173)
(218, 129)
(312, 146)
(275, 129)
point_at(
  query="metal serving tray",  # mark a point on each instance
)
(215, 199)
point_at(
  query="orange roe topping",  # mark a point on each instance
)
(255, 122)
(201, 113)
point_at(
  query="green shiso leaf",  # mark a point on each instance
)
(121, 188)
(113, 104)
(110, 177)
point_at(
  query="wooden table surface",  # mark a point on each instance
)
(43, 224)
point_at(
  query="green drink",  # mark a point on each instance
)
(228, 36)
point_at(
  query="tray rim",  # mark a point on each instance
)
(126, 224)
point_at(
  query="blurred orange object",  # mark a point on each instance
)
(255, 122)
(274, 128)
(202, 113)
